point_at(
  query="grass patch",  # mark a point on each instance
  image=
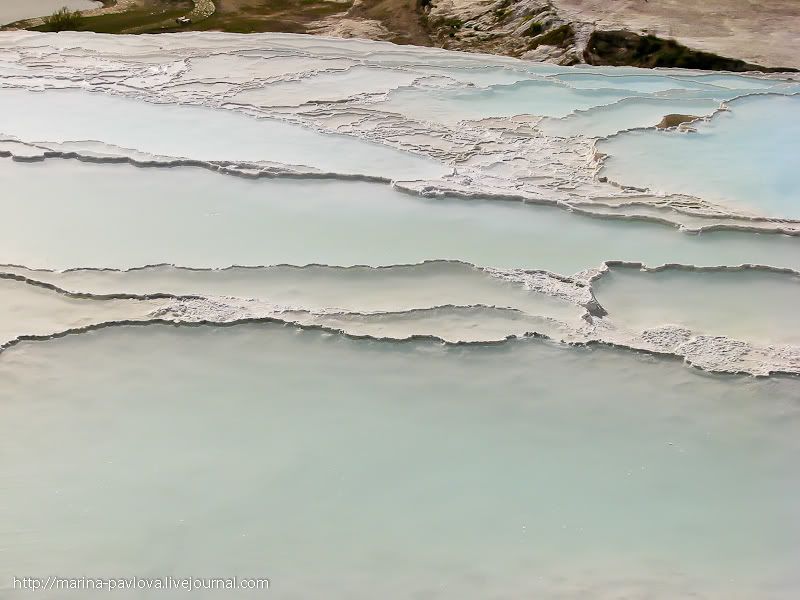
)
(560, 36)
(503, 10)
(534, 28)
(290, 16)
(154, 18)
(246, 25)
(158, 16)
(63, 20)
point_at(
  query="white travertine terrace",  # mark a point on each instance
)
(384, 322)
(440, 148)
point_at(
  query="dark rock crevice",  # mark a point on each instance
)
(625, 48)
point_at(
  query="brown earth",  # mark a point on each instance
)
(673, 120)
(251, 16)
(393, 20)
(400, 17)
(758, 32)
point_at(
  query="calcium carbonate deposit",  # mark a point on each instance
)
(378, 321)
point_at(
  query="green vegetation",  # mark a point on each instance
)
(503, 10)
(63, 20)
(535, 28)
(295, 16)
(247, 25)
(159, 16)
(669, 53)
(560, 36)
(290, 16)
(628, 48)
(156, 17)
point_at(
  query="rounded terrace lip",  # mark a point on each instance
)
(425, 430)
(366, 351)
(404, 173)
(504, 158)
(565, 311)
(743, 155)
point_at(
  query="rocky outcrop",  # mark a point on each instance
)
(675, 120)
(539, 30)
(527, 29)
(618, 48)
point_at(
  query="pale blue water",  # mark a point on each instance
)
(626, 114)
(747, 157)
(78, 214)
(543, 98)
(345, 469)
(758, 306)
(198, 133)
